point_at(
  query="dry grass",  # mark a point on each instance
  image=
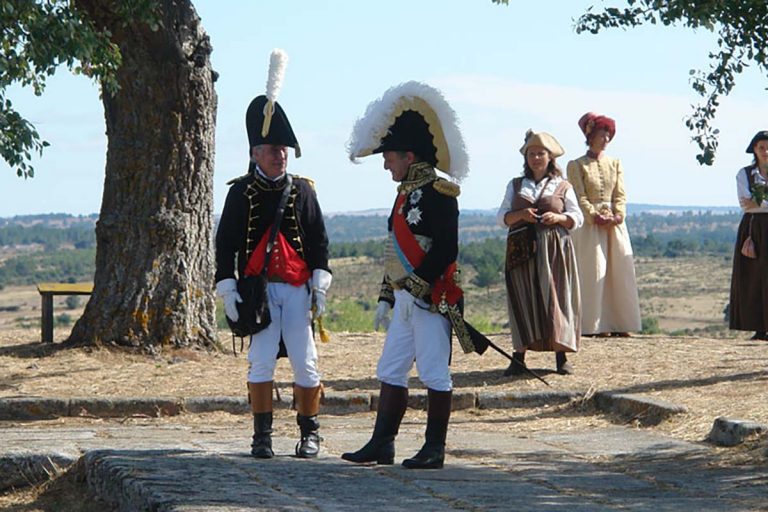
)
(711, 377)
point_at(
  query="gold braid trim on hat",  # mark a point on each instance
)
(434, 126)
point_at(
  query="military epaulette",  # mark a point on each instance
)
(308, 180)
(447, 188)
(239, 178)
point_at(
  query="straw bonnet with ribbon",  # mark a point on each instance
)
(412, 116)
(265, 119)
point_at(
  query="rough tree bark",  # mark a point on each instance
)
(153, 285)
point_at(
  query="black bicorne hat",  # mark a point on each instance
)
(410, 132)
(412, 116)
(278, 128)
(761, 135)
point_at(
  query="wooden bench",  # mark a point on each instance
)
(47, 291)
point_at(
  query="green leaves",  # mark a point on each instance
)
(38, 37)
(741, 27)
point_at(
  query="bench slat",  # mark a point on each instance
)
(65, 288)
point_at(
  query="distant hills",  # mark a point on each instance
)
(660, 222)
(64, 220)
(632, 209)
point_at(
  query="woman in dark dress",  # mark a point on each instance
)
(749, 282)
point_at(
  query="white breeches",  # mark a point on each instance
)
(424, 337)
(289, 307)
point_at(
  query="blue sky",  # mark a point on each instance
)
(504, 69)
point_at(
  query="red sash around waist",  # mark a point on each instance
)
(285, 262)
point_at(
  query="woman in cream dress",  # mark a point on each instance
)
(609, 303)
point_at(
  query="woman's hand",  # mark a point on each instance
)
(526, 214)
(601, 220)
(551, 218)
(530, 215)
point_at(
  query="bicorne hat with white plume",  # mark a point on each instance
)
(415, 117)
(265, 119)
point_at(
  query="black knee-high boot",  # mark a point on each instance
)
(432, 454)
(260, 397)
(393, 401)
(261, 447)
(307, 409)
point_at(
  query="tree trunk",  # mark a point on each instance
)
(153, 285)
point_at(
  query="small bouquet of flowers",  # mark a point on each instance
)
(759, 193)
(605, 210)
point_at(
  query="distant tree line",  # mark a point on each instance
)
(69, 252)
(68, 266)
(79, 236)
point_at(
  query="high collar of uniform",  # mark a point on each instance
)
(265, 182)
(419, 174)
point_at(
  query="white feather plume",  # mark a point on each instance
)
(373, 125)
(277, 62)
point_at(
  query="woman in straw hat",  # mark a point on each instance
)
(749, 283)
(603, 251)
(543, 290)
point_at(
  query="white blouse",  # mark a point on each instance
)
(742, 189)
(532, 190)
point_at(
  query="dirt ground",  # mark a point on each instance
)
(711, 377)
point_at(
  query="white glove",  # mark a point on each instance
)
(227, 290)
(321, 281)
(404, 302)
(382, 316)
(319, 300)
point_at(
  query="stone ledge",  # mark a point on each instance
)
(512, 399)
(18, 470)
(648, 411)
(33, 408)
(732, 432)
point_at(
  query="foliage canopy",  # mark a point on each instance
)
(740, 25)
(37, 38)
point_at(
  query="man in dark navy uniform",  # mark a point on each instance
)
(416, 131)
(298, 271)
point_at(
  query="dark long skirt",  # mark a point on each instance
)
(749, 281)
(543, 297)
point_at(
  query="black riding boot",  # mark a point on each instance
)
(309, 445)
(261, 448)
(393, 401)
(432, 454)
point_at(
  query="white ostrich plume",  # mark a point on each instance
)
(381, 113)
(277, 62)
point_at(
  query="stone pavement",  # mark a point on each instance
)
(206, 469)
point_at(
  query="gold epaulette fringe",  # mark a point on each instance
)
(447, 188)
(308, 180)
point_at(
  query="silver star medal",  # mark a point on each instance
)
(416, 196)
(414, 215)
